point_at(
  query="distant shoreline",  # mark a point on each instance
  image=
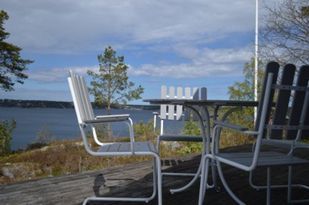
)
(62, 104)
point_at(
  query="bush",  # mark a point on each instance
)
(36, 145)
(44, 136)
(144, 131)
(190, 128)
(6, 129)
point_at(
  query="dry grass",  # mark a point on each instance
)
(59, 158)
(69, 156)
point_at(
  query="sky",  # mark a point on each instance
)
(196, 43)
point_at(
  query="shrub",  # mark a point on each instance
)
(44, 135)
(144, 131)
(6, 129)
(36, 145)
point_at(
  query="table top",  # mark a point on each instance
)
(209, 102)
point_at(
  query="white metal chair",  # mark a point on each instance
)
(87, 121)
(283, 126)
(177, 113)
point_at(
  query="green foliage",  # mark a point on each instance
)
(6, 129)
(190, 148)
(245, 90)
(191, 128)
(144, 131)
(111, 85)
(11, 64)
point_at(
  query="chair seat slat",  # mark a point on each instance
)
(265, 158)
(125, 147)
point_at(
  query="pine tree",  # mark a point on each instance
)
(111, 85)
(12, 66)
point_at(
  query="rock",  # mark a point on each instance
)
(172, 145)
(44, 149)
(21, 171)
(7, 173)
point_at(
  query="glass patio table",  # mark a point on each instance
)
(205, 116)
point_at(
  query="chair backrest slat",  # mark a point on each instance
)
(163, 108)
(297, 105)
(282, 102)
(271, 67)
(86, 99)
(179, 108)
(290, 116)
(187, 92)
(200, 94)
(176, 112)
(80, 96)
(171, 108)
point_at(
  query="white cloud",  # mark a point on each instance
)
(77, 25)
(58, 74)
(203, 63)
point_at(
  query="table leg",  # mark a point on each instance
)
(205, 150)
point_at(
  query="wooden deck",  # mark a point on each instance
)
(136, 179)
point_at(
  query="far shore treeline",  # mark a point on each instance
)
(63, 104)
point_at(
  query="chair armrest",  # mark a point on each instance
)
(115, 118)
(216, 133)
(108, 118)
(231, 126)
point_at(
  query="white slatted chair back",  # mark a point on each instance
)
(86, 117)
(172, 112)
(175, 112)
(200, 94)
(80, 97)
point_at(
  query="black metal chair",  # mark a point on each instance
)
(284, 125)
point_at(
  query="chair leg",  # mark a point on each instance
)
(214, 175)
(289, 185)
(203, 180)
(193, 180)
(268, 195)
(154, 179)
(229, 191)
(159, 179)
(157, 188)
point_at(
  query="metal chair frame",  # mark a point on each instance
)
(87, 120)
(176, 112)
(249, 161)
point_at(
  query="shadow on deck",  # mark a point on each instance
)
(136, 180)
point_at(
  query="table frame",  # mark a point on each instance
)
(205, 125)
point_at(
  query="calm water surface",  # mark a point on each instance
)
(61, 123)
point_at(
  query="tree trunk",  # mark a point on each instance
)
(109, 130)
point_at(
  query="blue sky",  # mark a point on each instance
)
(165, 42)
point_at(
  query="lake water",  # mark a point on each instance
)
(62, 123)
